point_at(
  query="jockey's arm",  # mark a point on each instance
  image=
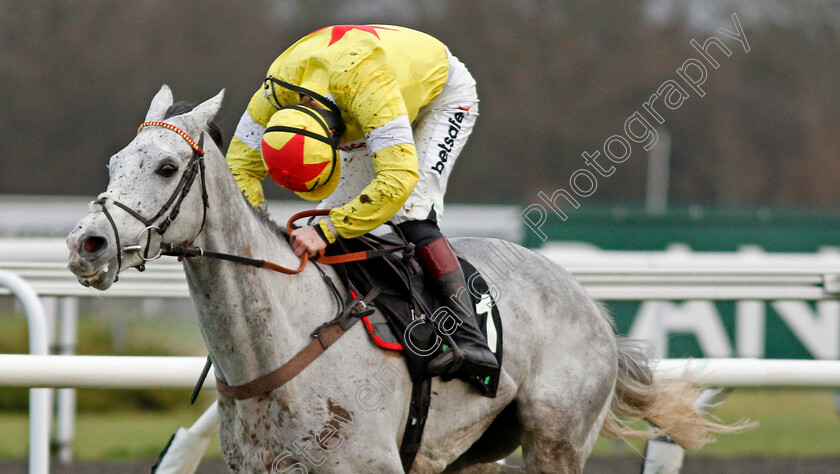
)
(396, 176)
(244, 156)
(373, 98)
(371, 95)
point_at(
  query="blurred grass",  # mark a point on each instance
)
(117, 435)
(793, 422)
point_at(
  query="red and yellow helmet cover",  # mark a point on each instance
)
(298, 162)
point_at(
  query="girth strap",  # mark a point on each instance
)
(418, 411)
(287, 371)
(324, 338)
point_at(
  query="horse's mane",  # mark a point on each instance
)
(213, 128)
(273, 226)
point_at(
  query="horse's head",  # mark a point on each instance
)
(153, 180)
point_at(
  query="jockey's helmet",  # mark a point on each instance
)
(300, 152)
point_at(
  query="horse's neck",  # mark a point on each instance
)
(253, 320)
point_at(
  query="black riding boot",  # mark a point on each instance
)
(472, 356)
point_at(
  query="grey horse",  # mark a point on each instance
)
(565, 377)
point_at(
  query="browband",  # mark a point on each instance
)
(195, 146)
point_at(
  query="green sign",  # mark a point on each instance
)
(627, 228)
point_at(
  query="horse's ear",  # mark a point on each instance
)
(161, 102)
(198, 118)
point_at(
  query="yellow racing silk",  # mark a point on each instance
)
(379, 77)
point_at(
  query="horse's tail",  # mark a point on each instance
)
(669, 407)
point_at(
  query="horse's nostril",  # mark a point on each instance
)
(94, 244)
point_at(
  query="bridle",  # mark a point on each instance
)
(194, 167)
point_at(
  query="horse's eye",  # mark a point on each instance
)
(167, 170)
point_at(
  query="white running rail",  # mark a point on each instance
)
(112, 372)
(39, 398)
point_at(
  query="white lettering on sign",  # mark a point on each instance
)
(700, 318)
(820, 332)
(750, 328)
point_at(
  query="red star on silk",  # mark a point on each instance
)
(286, 165)
(338, 31)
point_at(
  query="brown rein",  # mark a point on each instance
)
(180, 252)
(330, 259)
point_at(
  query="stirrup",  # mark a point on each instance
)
(449, 367)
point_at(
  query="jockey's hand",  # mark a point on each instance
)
(306, 240)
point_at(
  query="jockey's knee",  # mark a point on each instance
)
(421, 233)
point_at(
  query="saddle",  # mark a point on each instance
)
(406, 306)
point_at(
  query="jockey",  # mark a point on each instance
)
(399, 106)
